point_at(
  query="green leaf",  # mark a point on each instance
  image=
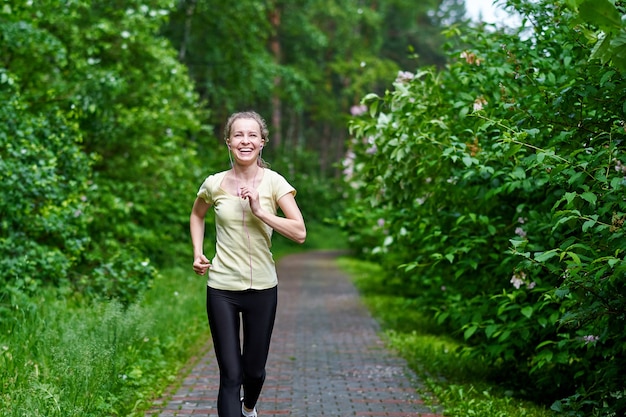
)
(545, 343)
(601, 13)
(589, 223)
(563, 220)
(606, 77)
(373, 108)
(602, 49)
(618, 45)
(545, 356)
(573, 4)
(442, 317)
(618, 182)
(589, 197)
(562, 292)
(572, 255)
(527, 311)
(504, 336)
(470, 331)
(370, 97)
(544, 256)
(567, 61)
(491, 329)
(557, 406)
(541, 156)
(576, 176)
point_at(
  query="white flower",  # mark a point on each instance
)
(479, 103)
(404, 76)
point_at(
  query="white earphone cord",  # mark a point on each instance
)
(243, 213)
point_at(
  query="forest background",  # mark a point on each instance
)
(452, 154)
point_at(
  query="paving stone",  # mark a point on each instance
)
(326, 358)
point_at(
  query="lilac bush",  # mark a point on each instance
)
(500, 178)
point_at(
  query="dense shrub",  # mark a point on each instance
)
(44, 181)
(100, 145)
(493, 190)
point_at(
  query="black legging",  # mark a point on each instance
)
(241, 366)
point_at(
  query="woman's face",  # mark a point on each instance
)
(245, 140)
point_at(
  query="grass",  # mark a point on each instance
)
(458, 385)
(64, 358)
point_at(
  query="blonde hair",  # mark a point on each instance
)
(257, 118)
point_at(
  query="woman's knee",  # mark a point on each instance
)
(254, 375)
(231, 379)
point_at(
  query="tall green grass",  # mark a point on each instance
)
(461, 386)
(67, 358)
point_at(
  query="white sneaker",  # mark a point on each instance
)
(248, 414)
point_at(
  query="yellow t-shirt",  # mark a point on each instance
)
(243, 259)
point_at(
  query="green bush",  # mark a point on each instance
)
(493, 191)
(99, 143)
(44, 180)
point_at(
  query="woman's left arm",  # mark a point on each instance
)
(292, 225)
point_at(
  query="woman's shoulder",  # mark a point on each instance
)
(213, 182)
(279, 184)
(274, 175)
(216, 177)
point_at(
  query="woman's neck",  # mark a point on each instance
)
(246, 173)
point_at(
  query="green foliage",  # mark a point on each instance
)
(493, 191)
(44, 180)
(103, 140)
(224, 47)
(64, 359)
(607, 31)
(304, 65)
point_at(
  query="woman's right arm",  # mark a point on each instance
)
(196, 227)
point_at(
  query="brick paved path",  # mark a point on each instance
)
(326, 357)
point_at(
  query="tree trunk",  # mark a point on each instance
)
(182, 52)
(275, 47)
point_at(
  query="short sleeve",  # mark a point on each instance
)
(281, 187)
(206, 190)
